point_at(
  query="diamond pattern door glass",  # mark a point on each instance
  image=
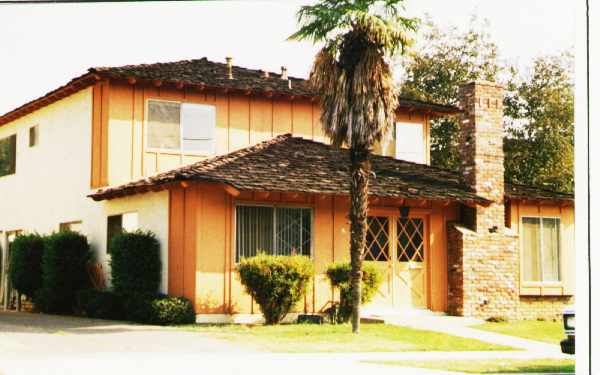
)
(409, 232)
(378, 239)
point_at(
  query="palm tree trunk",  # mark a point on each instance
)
(360, 168)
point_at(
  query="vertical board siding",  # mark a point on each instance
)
(202, 248)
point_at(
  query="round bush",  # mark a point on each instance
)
(339, 277)
(276, 283)
(159, 309)
(63, 272)
(135, 263)
(25, 269)
(100, 304)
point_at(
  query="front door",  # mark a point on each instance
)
(410, 263)
(397, 247)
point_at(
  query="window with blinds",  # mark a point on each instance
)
(273, 230)
(541, 249)
(182, 127)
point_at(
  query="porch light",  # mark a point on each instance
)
(404, 210)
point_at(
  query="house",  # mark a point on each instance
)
(221, 161)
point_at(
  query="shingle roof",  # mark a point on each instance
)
(215, 75)
(199, 72)
(293, 164)
(524, 192)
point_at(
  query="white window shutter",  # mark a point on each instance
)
(410, 142)
(198, 122)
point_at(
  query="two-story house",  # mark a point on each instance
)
(221, 161)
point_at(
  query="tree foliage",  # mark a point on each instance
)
(539, 146)
(538, 106)
(442, 62)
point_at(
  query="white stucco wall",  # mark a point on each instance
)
(52, 181)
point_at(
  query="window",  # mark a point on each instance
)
(181, 127)
(72, 226)
(33, 136)
(541, 249)
(378, 240)
(410, 142)
(117, 224)
(273, 230)
(8, 155)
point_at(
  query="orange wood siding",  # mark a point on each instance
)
(100, 106)
(120, 134)
(202, 247)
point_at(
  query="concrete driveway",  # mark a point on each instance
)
(48, 344)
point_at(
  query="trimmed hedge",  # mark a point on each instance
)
(63, 272)
(100, 304)
(339, 277)
(276, 283)
(25, 269)
(135, 263)
(158, 309)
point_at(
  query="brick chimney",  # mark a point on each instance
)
(483, 259)
(481, 153)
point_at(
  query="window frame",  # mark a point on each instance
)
(531, 283)
(181, 151)
(274, 205)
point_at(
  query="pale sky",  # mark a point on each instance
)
(42, 46)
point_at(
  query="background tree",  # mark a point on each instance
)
(358, 97)
(539, 144)
(443, 61)
(538, 105)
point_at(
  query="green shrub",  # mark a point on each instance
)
(276, 283)
(158, 309)
(135, 263)
(100, 304)
(25, 269)
(63, 272)
(339, 277)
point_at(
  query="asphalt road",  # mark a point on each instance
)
(46, 344)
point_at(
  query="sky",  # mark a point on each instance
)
(43, 46)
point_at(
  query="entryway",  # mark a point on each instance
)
(399, 248)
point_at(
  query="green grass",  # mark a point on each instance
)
(492, 366)
(546, 331)
(305, 338)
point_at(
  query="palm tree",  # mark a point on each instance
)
(357, 92)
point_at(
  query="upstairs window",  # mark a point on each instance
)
(33, 136)
(410, 142)
(273, 230)
(8, 155)
(541, 249)
(181, 127)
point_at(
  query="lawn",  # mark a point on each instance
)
(492, 366)
(303, 338)
(546, 331)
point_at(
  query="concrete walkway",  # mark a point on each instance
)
(460, 326)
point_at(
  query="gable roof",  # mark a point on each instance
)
(200, 72)
(293, 164)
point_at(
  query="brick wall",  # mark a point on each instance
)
(483, 263)
(544, 307)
